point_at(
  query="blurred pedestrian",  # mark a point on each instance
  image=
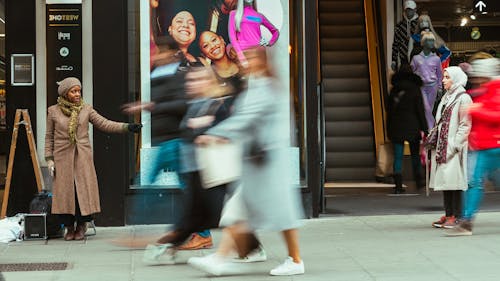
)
(261, 121)
(202, 207)
(406, 122)
(484, 138)
(70, 159)
(449, 146)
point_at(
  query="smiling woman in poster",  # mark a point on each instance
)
(183, 30)
(213, 48)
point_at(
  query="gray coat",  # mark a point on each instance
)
(452, 175)
(261, 122)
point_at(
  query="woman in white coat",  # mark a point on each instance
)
(449, 157)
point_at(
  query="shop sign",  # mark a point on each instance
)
(64, 45)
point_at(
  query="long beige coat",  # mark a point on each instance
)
(452, 175)
(74, 163)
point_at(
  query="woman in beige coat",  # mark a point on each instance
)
(69, 157)
(449, 158)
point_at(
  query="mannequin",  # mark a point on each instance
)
(402, 32)
(244, 28)
(425, 24)
(427, 65)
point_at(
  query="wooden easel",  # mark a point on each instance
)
(34, 156)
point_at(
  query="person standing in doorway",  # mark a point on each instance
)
(449, 152)
(70, 159)
(406, 122)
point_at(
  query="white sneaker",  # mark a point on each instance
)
(215, 265)
(289, 268)
(256, 255)
(159, 254)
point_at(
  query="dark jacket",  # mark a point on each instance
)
(170, 107)
(405, 108)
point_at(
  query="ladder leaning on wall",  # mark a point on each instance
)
(26, 121)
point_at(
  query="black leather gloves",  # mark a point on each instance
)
(134, 128)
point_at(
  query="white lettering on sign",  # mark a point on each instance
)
(64, 17)
(64, 36)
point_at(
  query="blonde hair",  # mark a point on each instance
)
(426, 35)
(480, 56)
(438, 40)
(239, 12)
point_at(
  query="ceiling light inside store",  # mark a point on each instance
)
(472, 17)
(464, 21)
(2, 20)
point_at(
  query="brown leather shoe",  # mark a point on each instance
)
(70, 233)
(81, 228)
(197, 242)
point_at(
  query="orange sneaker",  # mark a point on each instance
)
(197, 242)
(440, 222)
(451, 222)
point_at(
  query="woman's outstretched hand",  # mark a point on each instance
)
(134, 128)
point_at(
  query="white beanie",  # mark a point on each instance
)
(409, 4)
(487, 68)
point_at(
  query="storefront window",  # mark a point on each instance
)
(173, 35)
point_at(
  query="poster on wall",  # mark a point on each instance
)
(198, 33)
(64, 45)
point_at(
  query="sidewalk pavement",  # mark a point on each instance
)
(390, 247)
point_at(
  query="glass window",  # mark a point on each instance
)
(175, 34)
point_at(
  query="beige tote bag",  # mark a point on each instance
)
(219, 163)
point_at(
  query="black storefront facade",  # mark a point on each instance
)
(108, 71)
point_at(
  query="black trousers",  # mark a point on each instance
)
(202, 208)
(69, 220)
(453, 203)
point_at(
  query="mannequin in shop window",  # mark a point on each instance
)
(402, 32)
(425, 24)
(244, 28)
(427, 65)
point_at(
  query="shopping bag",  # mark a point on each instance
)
(219, 163)
(385, 160)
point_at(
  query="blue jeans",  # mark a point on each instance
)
(480, 163)
(398, 156)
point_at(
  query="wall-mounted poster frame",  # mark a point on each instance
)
(22, 67)
(205, 18)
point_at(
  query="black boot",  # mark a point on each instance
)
(398, 181)
(419, 179)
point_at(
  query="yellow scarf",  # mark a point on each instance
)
(71, 110)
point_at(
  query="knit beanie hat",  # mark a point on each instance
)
(488, 68)
(66, 84)
(427, 35)
(410, 5)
